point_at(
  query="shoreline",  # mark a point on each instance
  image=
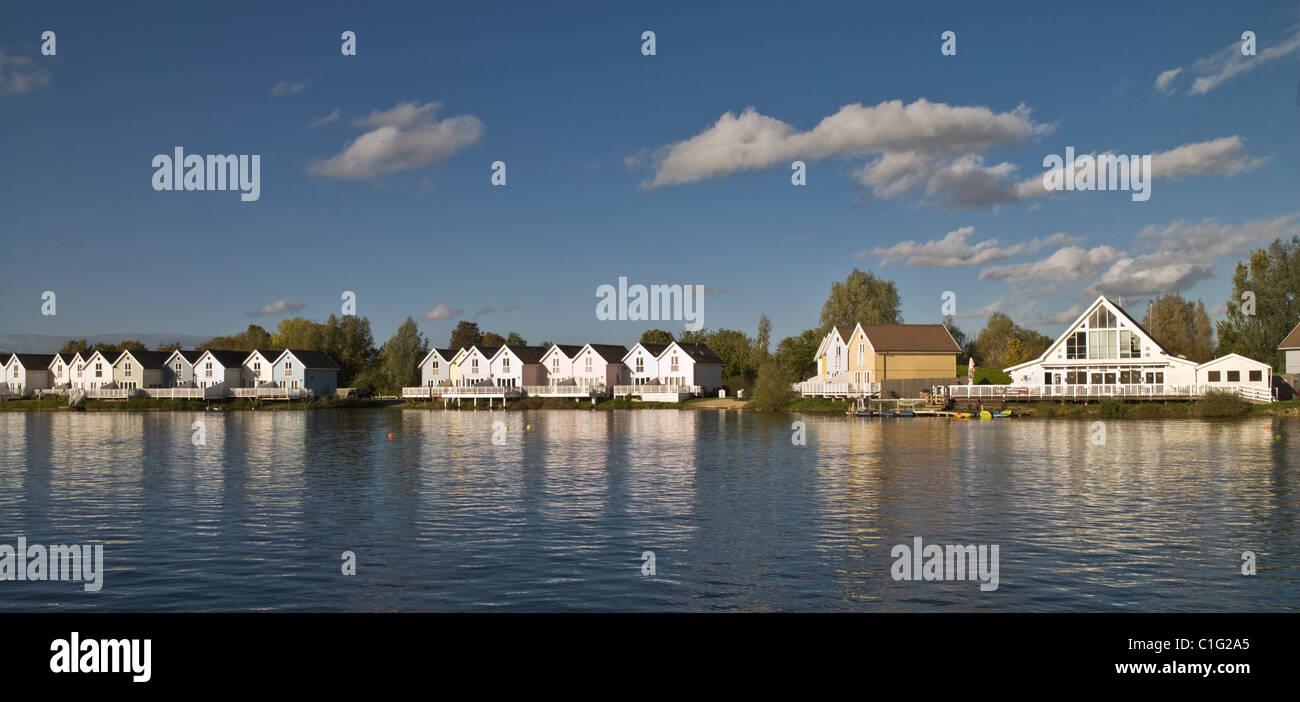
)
(1039, 410)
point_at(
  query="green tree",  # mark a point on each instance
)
(465, 335)
(513, 339)
(656, 336)
(349, 342)
(252, 338)
(763, 340)
(169, 347)
(400, 357)
(796, 353)
(1272, 278)
(993, 347)
(75, 346)
(862, 297)
(772, 390)
(1181, 326)
(736, 350)
(298, 333)
(492, 339)
(963, 342)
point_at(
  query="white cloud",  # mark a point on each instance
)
(1062, 317)
(284, 87)
(442, 311)
(318, 121)
(1227, 63)
(1186, 251)
(281, 306)
(1209, 239)
(19, 74)
(1164, 81)
(954, 249)
(975, 186)
(1068, 263)
(408, 136)
(752, 141)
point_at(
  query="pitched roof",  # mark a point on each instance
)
(655, 349)
(65, 357)
(846, 333)
(700, 353)
(1292, 340)
(35, 361)
(612, 353)
(4, 358)
(527, 354)
(147, 359)
(227, 359)
(312, 359)
(569, 350)
(1134, 322)
(487, 351)
(926, 338)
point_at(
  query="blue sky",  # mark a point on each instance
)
(617, 164)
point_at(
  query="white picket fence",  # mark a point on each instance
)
(1253, 393)
(813, 388)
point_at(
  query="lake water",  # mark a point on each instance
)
(440, 518)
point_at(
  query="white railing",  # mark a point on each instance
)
(111, 393)
(638, 390)
(473, 390)
(174, 393)
(1039, 392)
(563, 390)
(820, 388)
(271, 393)
(429, 391)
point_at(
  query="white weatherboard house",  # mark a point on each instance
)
(257, 367)
(140, 369)
(1290, 347)
(435, 368)
(61, 369)
(518, 366)
(557, 364)
(642, 363)
(690, 364)
(833, 355)
(179, 370)
(476, 365)
(309, 370)
(600, 366)
(76, 370)
(98, 371)
(1105, 348)
(26, 372)
(216, 367)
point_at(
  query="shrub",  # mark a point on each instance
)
(772, 389)
(1110, 408)
(1221, 404)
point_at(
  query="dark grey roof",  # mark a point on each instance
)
(191, 356)
(700, 353)
(654, 349)
(488, 351)
(314, 359)
(612, 353)
(446, 353)
(35, 361)
(148, 359)
(527, 354)
(229, 359)
(65, 357)
(569, 350)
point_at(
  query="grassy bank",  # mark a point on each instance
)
(150, 404)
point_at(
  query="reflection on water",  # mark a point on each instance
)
(257, 515)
